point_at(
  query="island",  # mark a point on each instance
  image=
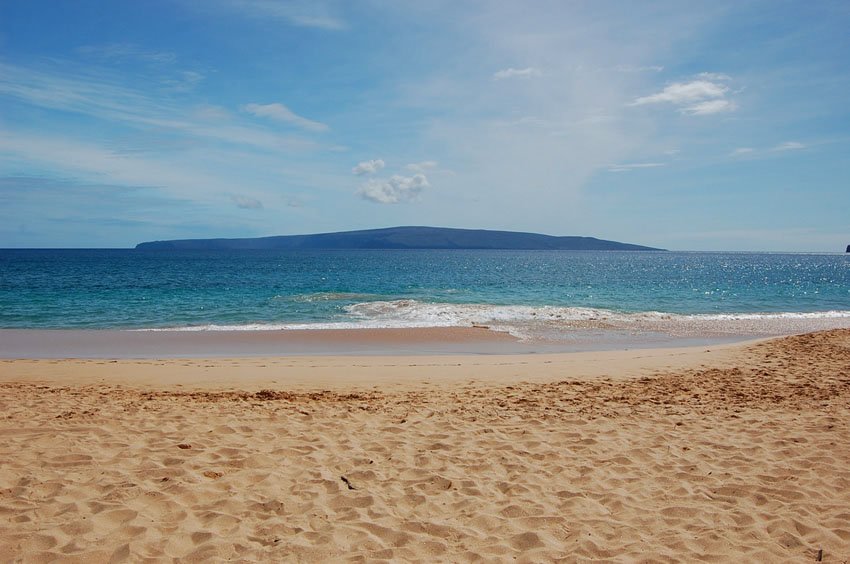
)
(401, 238)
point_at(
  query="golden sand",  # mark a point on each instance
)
(737, 453)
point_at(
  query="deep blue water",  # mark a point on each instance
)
(137, 289)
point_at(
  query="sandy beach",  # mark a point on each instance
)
(733, 452)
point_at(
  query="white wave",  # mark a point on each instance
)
(550, 322)
(464, 314)
(324, 297)
(834, 314)
(449, 314)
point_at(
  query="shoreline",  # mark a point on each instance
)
(362, 372)
(425, 341)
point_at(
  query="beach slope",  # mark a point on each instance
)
(733, 453)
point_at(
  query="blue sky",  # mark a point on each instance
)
(684, 125)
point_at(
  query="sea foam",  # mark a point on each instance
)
(548, 322)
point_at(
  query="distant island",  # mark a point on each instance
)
(401, 238)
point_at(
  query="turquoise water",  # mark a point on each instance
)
(519, 290)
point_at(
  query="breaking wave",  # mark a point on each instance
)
(545, 322)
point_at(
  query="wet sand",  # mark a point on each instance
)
(721, 453)
(64, 343)
(545, 336)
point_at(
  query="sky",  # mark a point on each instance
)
(684, 125)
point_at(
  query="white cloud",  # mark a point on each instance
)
(685, 92)
(696, 98)
(421, 167)
(393, 190)
(633, 166)
(528, 72)
(368, 167)
(710, 107)
(742, 151)
(279, 112)
(247, 203)
(714, 76)
(789, 146)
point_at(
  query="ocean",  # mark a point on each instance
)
(531, 294)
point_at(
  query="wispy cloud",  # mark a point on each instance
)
(173, 79)
(697, 97)
(421, 167)
(209, 112)
(102, 212)
(293, 202)
(789, 146)
(633, 166)
(246, 202)
(528, 121)
(99, 96)
(115, 51)
(281, 113)
(780, 148)
(75, 90)
(714, 76)
(635, 68)
(184, 81)
(95, 163)
(368, 167)
(528, 72)
(710, 107)
(202, 178)
(201, 183)
(302, 13)
(393, 190)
